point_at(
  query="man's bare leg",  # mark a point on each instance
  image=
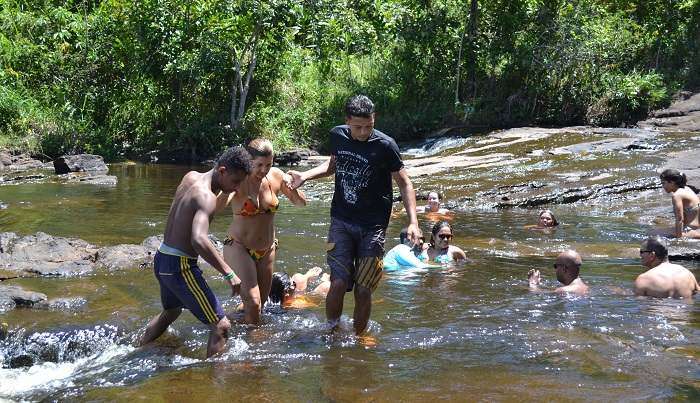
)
(159, 324)
(334, 301)
(363, 307)
(218, 336)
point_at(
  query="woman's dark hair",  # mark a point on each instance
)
(675, 176)
(281, 284)
(656, 245)
(436, 228)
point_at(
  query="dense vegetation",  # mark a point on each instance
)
(186, 78)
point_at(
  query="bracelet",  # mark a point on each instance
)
(229, 276)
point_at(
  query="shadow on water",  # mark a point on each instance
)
(474, 330)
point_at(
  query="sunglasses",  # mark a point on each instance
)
(644, 251)
(445, 236)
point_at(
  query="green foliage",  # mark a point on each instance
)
(127, 78)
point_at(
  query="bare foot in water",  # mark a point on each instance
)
(533, 276)
(367, 340)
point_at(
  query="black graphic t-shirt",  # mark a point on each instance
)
(363, 170)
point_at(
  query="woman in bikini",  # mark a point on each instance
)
(250, 245)
(440, 250)
(685, 205)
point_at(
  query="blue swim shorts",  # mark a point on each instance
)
(182, 285)
(354, 253)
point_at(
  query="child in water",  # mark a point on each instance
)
(289, 291)
(440, 250)
(545, 221)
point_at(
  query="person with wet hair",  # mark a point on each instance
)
(364, 162)
(250, 246)
(433, 205)
(407, 254)
(545, 221)
(566, 267)
(686, 205)
(441, 250)
(663, 279)
(284, 289)
(182, 284)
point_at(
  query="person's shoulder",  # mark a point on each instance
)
(384, 138)
(341, 130)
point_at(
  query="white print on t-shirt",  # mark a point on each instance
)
(353, 171)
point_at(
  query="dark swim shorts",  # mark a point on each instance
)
(354, 253)
(182, 285)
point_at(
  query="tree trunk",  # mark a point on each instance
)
(473, 19)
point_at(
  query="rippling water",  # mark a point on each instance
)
(472, 332)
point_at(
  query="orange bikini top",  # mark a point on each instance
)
(250, 209)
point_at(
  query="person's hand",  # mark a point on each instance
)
(533, 276)
(294, 179)
(414, 233)
(235, 284)
(314, 272)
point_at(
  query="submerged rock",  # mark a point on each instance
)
(12, 296)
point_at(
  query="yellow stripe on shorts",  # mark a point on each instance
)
(196, 290)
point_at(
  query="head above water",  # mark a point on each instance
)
(261, 152)
(281, 287)
(403, 238)
(434, 201)
(567, 266)
(653, 251)
(673, 176)
(359, 116)
(546, 219)
(231, 168)
(441, 235)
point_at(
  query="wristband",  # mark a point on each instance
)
(229, 276)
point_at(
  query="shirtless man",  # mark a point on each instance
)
(663, 279)
(567, 268)
(186, 237)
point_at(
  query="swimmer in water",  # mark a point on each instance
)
(686, 206)
(663, 279)
(545, 221)
(440, 250)
(433, 205)
(407, 254)
(567, 267)
(289, 292)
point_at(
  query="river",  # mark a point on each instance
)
(470, 332)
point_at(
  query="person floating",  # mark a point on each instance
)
(567, 267)
(663, 279)
(433, 205)
(250, 245)
(407, 254)
(364, 161)
(186, 236)
(440, 250)
(686, 205)
(289, 292)
(545, 221)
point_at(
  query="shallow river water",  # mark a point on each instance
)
(470, 332)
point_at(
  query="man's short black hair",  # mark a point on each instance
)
(360, 106)
(656, 245)
(235, 159)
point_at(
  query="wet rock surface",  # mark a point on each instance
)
(294, 157)
(14, 296)
(682, 115)
(80, 163)
(18, 162)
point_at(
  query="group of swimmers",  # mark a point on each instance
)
(364, 162)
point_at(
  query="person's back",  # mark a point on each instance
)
(178, 229)
(666, 280)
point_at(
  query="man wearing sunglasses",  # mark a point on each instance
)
(566, 267)
(663, 279)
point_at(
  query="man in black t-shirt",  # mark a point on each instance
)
(364, 161)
